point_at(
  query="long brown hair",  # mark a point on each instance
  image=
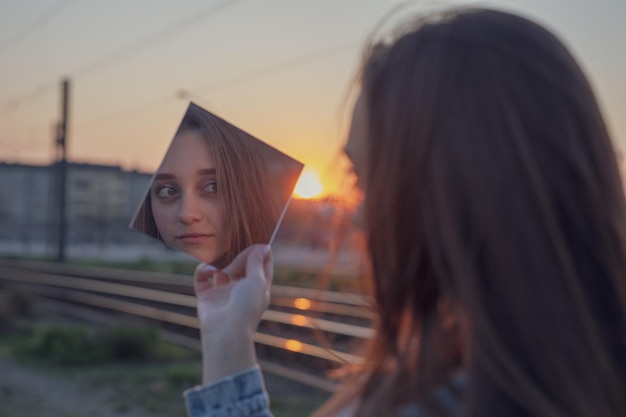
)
(243, 182)
(493, 197)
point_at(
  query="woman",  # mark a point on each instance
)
(212, 196)
(496, 229)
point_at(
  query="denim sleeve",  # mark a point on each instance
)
(238, 395)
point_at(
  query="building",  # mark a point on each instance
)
(26, 193)
(100, 200)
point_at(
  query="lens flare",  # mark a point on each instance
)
(299, 320)
(293, 345)
(302, 303)
(309, 185)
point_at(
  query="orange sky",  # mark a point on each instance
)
(278, 69)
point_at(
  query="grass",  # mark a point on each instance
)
(152, 387)
(153, 383)
(290, 276)
(143, 264)
(149, 380)
(130, 367)
(157, 386)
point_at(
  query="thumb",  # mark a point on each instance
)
(258, 262)
(203, 277)
(254, 286)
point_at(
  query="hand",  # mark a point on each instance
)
(230, 305)
(236, 296)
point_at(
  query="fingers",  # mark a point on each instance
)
(268, 266)
(237, 268)
(259, 261)
(255, 260)
(203, 277)
(207, 276)
(253, 295)
(238, 294)
(222, 278)
(259, 267)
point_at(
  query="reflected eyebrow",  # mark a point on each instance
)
(164, 177)
(208, 171)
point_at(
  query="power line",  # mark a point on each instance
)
(35, 24)
(185, 23)
(226, 83)
(238, 79)
(127, 114)
(13, 103)
(280, 66)
(127, 50)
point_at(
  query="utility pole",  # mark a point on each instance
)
(61, 143)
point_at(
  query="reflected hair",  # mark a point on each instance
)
(500, 211)
(243, 182)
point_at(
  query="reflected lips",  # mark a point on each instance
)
(193, 238)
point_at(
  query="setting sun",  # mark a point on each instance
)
(309, 185)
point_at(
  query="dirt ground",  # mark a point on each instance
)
(27, 393)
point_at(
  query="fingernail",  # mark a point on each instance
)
(207, 268)
(205, 272)
(222, 278)
(266, 250)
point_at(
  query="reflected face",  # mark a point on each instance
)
(186, 208)
(186, 204)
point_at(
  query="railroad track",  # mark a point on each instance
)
(304, 333)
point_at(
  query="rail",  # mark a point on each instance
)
(78, 290)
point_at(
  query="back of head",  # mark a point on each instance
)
(493, 186)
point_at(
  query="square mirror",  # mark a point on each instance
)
(217, 191)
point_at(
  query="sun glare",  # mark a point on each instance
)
(309, 185)
(302, 303)
(293, 345)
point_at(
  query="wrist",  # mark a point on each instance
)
(225, 353)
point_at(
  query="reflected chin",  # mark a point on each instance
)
(202, 249)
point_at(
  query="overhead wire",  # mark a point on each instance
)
(126, 51)
(35, 25)
(244, 77)
(127, 114)
(164, 33)
(278, 67)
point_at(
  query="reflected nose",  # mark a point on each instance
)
(190, 210)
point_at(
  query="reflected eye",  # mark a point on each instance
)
(210, 187)
(166, 191)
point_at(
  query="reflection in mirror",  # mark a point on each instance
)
(217, 191)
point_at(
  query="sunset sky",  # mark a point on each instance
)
(279, 69)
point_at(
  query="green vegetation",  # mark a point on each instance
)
(143, 264)
(285, 275)
(152, 387)
(131, 363)
(294, 277)
(81, 345)
(291, 276)
(129, 366)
